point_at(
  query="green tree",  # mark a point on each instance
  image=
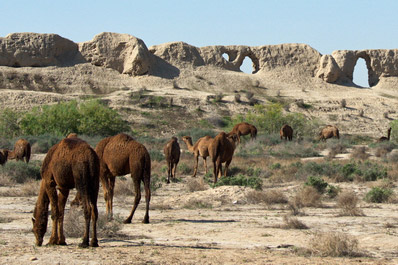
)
(9, 126)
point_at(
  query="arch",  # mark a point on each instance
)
(373, 79)
(249, 64)
(361, 75)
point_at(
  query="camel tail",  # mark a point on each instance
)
(337, 134)
(255, 132)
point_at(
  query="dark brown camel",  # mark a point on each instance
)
(244, 128)
(286, 132)
(329, 131)
(201, 148)
(222, 150)
(21, 151)
(71, 163)
(120, 155)
(172, 153)
(383, 138)
(3, 156)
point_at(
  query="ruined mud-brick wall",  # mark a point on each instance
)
(129, 55)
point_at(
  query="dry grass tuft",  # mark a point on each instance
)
(335, 149)
(6, 181)
(123, 187)
(30, 188)
(360, 153)
(74, 224)
(197, 204)
(334, 244)
(292, 223)
(347, 202)
(196, 184)
(308, 196)
(268, 197)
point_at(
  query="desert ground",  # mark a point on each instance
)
(222, 225)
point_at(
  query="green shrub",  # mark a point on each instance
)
(42, 143)
(90, 118)
(378, 195)
(197, 133)
(156, 155)
(317, 182)
(9, 126)
(20, 172)
(240, 180)
(184, 169)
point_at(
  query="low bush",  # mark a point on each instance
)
(292, 223)
(240, 180)
(347, 202)
(378, 195)
(21, 172)
(196, 184)
(317, 182)
(308, 196)
(268, 197)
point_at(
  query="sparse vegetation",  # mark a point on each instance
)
(347, 202)
(378, 195)
(292, 223)
(21, 172)
(334, 244)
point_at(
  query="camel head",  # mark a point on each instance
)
(40, 216)
(187, 139)
(233, 137)
(39, 229)
(175, 139)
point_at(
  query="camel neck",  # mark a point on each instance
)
(189, 145)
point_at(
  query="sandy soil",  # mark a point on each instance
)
(231, 231)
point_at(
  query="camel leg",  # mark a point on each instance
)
(87, 213)
(111, 193)
(195, 170)
(175, 169)
(137, 190)
(147, 188)
(63, 196)
(169, 171)
(226, 167)
(52, 194)
(94, 218)
(205, 164)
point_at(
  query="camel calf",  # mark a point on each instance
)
(172, 154)
(201, 148)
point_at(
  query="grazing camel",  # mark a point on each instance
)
(383, 138)
(329, 131)
(244, 128)
(286, 132)
(222, 150)
(21, 151)
(201, 148)
(120, 155)
(172, 154)
(71, 163)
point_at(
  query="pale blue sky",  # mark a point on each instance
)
(324, 25)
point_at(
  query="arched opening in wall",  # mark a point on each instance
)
(361, 74)
(226, 56)
(247, 66)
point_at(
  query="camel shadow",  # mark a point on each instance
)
(206, 221)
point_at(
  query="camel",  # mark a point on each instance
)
(172, 154)
(21, 151)
(329, 131)
(222, 150)
(3, 156)
(383, 138)
(286, 132)
(72, 135)
(71, 163)
(120, 155)
(244, 128)
(199, 149)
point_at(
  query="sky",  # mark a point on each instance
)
(324, 25)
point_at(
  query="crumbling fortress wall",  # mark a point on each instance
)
(129, 55)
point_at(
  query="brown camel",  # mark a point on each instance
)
(222, 150)
(383, 138)
(286, 132)
(201, 148)
(72, 135)
(244, 128)
(172, 154)
(120, 155)
(329, 131)
(21, 151)
(71, 163)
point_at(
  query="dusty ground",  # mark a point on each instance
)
(227, 231)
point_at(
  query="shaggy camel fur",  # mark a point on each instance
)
(72, 135)
(329, 131)
(21, 151)
(172, 154)
(71, 163)
(120, 155)
(244, 128)
(222, 150)
(201, 148)
(286, 132)
(383, 138)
